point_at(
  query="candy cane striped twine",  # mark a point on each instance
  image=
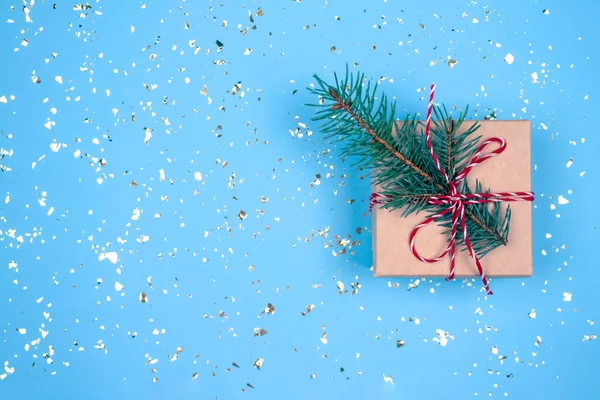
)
(456, 201)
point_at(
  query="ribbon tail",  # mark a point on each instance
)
(452, 245)
(480, 269)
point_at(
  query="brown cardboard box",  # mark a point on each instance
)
(509, 171)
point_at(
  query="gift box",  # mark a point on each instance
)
(509, 171)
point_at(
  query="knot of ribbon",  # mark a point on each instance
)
(456, 201)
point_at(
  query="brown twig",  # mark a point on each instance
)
(450, 147)
(347, 107)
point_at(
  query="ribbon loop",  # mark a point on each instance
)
(480, 157)
(413, 234)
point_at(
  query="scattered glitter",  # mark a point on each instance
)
(509, 58)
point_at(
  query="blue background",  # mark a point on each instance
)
(213, 277)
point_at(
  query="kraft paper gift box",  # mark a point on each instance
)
(509, 171)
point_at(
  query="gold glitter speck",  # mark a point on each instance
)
(258, 363)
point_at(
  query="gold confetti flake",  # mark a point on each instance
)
(81, 7)
(324, 339)
(258, 363)
(442, 337)
(269, 309)
(260, 332)
(309, 309)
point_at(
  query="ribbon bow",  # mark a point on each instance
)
(456, 201)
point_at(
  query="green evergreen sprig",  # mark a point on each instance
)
(363, 121)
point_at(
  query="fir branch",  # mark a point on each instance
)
(347, 106)
(365, 124)
(498, 236)
(454, 150)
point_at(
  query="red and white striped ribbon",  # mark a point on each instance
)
(456, 201)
